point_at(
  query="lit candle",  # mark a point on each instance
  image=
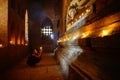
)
(1, 45)
(40, 49)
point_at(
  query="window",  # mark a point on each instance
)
(26, 26)
(46, 31)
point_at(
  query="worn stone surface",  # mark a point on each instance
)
(46, 69)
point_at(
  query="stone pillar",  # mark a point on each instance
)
(3, 22)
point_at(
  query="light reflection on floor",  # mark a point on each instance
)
(66, 56)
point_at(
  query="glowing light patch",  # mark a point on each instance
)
(52, 36)
(18, 41)
(1, 45)
(86, 34)
(26, 44)
(26, 26)
(12, 42)
(104, 33)
(107, 30)
(64, 66)
(67, 55)
(46, 30)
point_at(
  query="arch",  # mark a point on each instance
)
(47, 27)
(47, 22)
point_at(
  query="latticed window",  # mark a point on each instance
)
(46, 31)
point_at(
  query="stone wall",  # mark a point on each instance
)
(99, 60)
(16, 21)
(12, 32)
(98, 56)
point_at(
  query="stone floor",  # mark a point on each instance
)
(46, 69)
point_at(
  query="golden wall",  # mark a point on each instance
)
(3, 21)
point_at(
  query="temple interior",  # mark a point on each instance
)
(79, 39)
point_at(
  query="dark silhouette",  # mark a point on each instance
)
(35, 57)
(88, 44)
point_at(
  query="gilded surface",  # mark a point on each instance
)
(3, 20)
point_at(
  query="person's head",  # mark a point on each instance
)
(35, 50)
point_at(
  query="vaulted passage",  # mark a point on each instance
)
(59, 39)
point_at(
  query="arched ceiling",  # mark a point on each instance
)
(40, 9)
